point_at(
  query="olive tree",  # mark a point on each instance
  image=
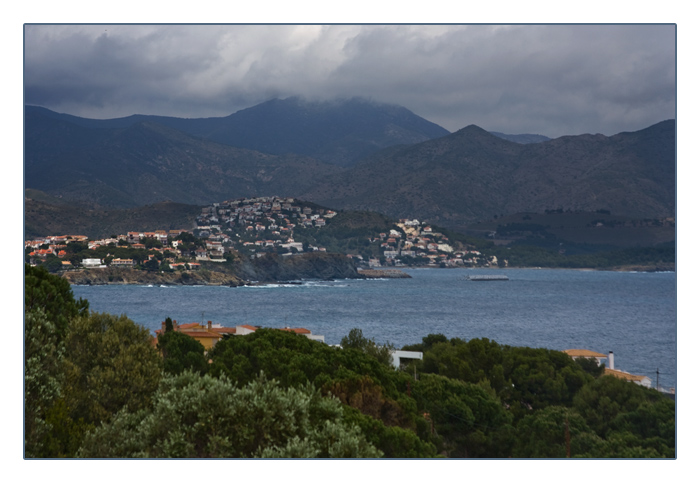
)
(196, 416)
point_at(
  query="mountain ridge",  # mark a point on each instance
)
(147, 162)
(472, 174)
(452, 180)
(337, 132)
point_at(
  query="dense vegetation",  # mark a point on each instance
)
(45, 214)
(98, 385)
(661, 257)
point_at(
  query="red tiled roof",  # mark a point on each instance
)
(297, 330)
(624, 375)
(201, 333)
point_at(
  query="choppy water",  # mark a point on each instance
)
(632, 314)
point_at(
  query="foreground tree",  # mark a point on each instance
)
(53, 295)
(49, 308)
(110, 363)
(355, 340)
(634, 421)
(43, 358)
(200, 416)
(181, 352)
(554, 432)
(468, 420)
(356, 378)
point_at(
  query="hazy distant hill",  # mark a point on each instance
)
(338, 132)
(472, 175)
(147, 162)
(521, 138)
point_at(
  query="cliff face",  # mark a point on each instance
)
(270, 268)
(317, 265)
(102, 276)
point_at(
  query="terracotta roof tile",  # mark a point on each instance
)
(623, 375)
(201, 333)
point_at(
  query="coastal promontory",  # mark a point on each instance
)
(268, 268)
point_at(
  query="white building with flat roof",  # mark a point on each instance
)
(92, 263)
(401, 356)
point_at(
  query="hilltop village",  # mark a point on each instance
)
(251, 228)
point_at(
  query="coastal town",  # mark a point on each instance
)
(251, 227)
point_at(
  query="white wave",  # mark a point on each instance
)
(303, 285)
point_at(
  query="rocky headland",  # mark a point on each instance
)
(127, 276)
(266, 269)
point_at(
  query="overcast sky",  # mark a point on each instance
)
(543, 79)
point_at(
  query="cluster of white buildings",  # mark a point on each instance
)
(265, 223)
(418, 240)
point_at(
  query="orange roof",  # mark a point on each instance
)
(583, 353)
(188, 326)
(624, 375)
(249, 327)
(224, 330)
(297, 330)
(201, 333)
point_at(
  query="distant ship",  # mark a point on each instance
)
(483, 278)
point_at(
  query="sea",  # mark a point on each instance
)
(632, 314)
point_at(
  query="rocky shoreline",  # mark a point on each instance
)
(266, 269)
(127, 276)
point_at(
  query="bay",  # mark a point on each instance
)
(632, 314)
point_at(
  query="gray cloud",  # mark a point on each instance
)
(547, 79)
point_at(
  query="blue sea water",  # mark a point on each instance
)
(631, 314)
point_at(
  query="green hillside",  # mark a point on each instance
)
(42, 218)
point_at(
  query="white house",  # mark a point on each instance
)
(610, 369)
(399, 356)
(641, 380)
(586, 354)
(123, 262)
(92, 263)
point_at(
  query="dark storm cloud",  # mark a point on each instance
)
(549, 79)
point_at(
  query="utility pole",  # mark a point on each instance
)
(657, 378)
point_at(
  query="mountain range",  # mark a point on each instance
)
(472, 175)
(337, 132)
(351, 154)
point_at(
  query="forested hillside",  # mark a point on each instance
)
(472, 175)
(352, 155)
(99, 386)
